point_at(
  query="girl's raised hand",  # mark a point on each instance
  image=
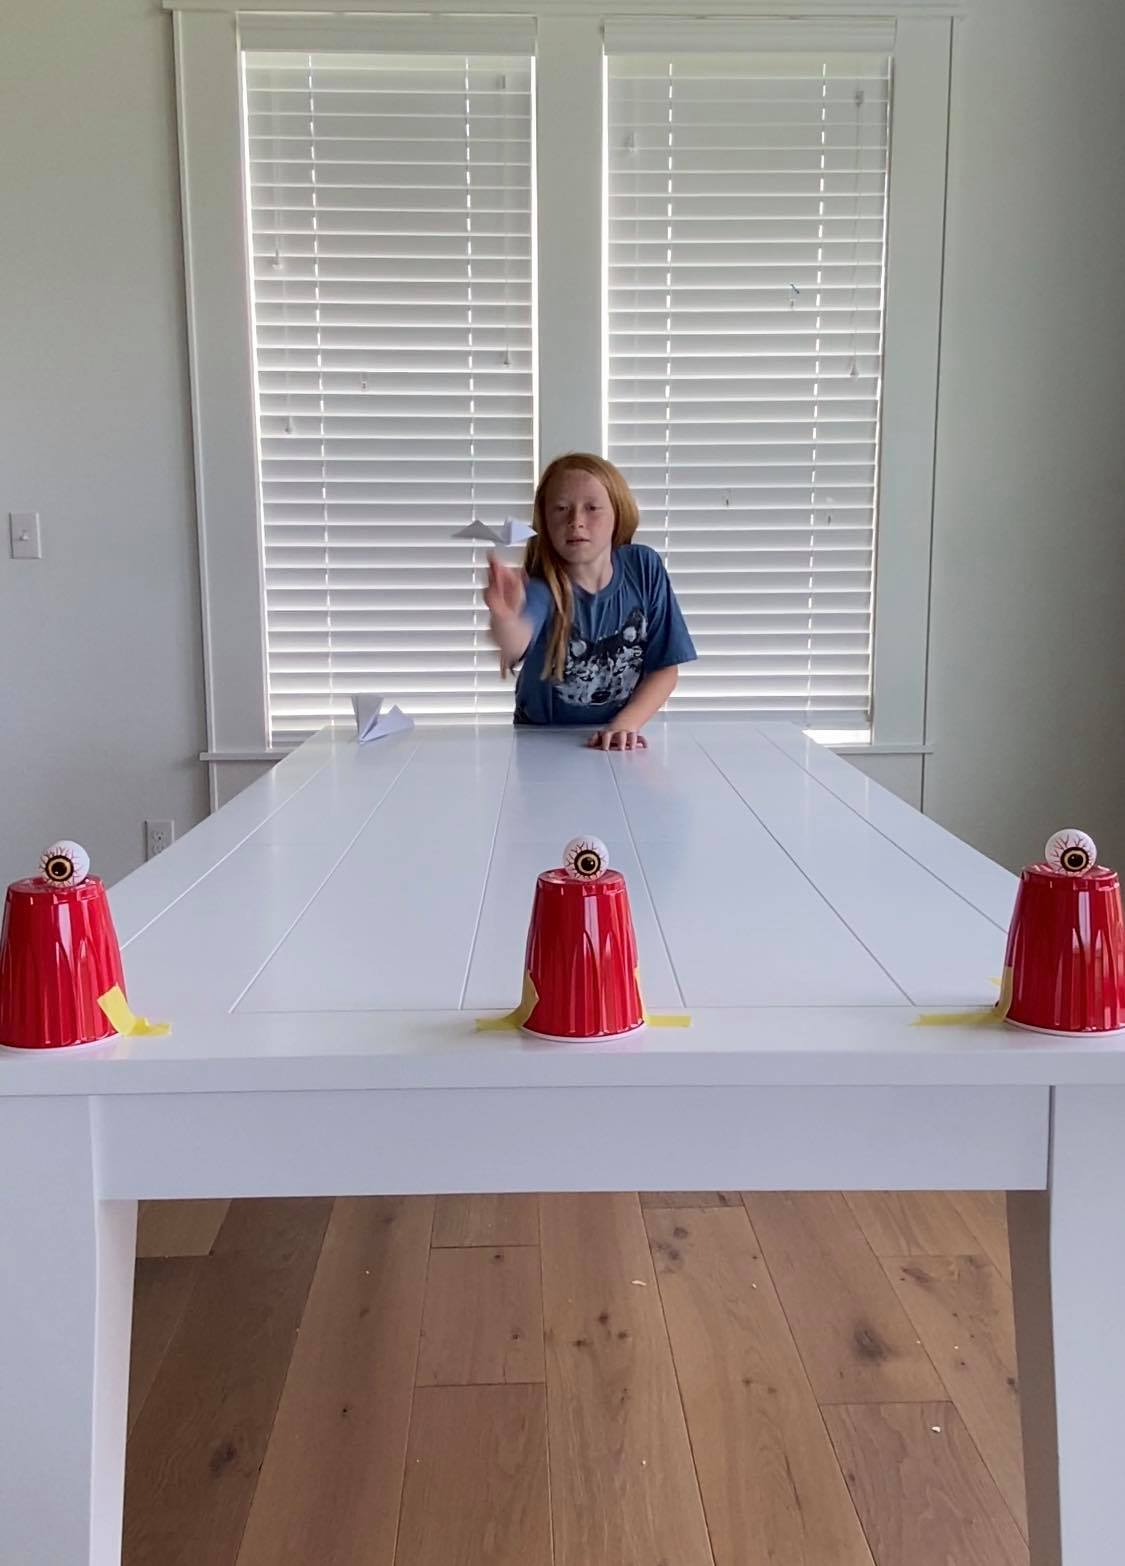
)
(504, 594)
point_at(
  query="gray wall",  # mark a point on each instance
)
(101, 714)
(101, 701)
(1028, 625)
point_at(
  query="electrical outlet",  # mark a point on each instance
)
(159, 835)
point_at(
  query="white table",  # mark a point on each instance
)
(323, 944)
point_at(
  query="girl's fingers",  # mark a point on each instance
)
(504, 593)
(617, 739)
(509, 585)
(491, 592)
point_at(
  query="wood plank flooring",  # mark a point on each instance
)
(671, 1379)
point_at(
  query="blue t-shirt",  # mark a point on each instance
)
(629, 629)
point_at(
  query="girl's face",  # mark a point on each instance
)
(579, 517)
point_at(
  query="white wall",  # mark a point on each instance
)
(101, 699)
(101, 721)
(1027, 665)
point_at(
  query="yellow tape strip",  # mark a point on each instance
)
(514, 1019)
(979, 1017)
(662, 1019)
(126, 1021)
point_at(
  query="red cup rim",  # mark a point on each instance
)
(562, 877)
(34, 885)
(1089, 881)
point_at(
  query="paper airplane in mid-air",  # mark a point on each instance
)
(510, 531)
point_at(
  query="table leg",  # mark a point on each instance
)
(1029, 1240)
(66, 1294)
(1068, 1277)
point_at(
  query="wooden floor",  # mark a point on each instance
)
(670, 1380)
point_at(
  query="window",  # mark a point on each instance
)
(747, 198)
(470, 243)
(390, 228)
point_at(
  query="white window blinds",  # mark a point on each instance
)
(390, 224)
(747, 197)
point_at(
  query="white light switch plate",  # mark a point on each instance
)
(27, 542)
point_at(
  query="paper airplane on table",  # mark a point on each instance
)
(510, 531)
(372, 722)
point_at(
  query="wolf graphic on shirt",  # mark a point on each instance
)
(609, 670)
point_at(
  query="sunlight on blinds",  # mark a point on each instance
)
(390, 223)
(747, 225)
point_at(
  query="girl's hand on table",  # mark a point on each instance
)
(611, 738)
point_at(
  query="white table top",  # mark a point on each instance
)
(340, 924)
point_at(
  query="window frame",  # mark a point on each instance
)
(570, 325)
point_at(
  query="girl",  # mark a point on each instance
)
(592, 616)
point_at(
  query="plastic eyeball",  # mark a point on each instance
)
(65, 863)
(586, 857)
(1072, 852)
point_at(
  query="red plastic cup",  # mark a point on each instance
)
(582, 958)
(1066, 952)
(58, 953)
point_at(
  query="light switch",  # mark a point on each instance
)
(27, 543)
